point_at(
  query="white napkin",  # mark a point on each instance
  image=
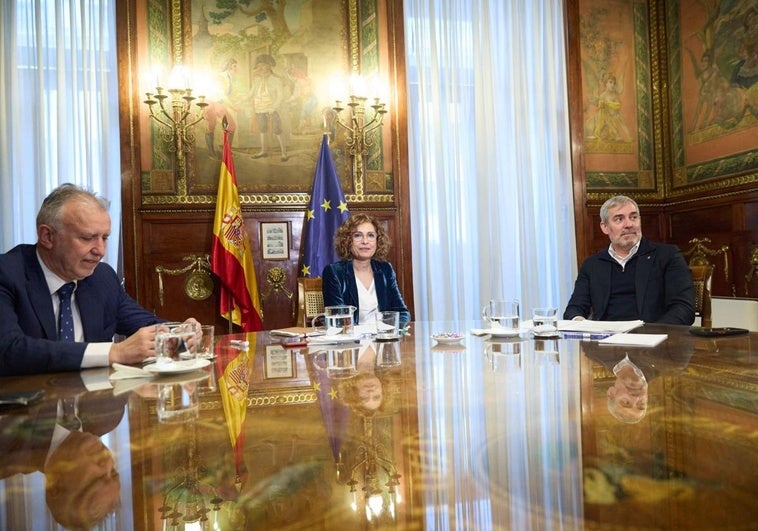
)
(124, 372)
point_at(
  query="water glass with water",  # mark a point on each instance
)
(338, 319)
(502, 314)
(175, 341)
(387, 326)
(545, 322)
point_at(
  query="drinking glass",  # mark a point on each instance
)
(205, 346)
(545, 322)
(387, 326)
(175, 341)
(338, 319)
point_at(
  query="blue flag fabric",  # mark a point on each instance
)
(326, 211)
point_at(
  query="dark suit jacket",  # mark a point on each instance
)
(28, 331)
(339, 287)
(663, 285)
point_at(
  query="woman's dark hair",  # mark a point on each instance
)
(343, 240)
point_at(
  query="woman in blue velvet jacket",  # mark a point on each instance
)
(363, 278)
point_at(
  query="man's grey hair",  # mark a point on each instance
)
(50, 211)
(614, 202)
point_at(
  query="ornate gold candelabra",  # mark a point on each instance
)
(172, 108)
(359, 127)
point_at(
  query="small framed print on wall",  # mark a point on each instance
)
(275, 240)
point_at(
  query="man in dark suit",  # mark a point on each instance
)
(73, 227)
(634, 278)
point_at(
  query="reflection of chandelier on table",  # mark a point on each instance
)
(188, 497)
(172, 108)
(373, 468)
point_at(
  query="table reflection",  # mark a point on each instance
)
(515, 433)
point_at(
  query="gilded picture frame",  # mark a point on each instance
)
(712, 50)
(621, 139)
(303, 53)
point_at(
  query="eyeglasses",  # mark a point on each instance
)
(370, 236)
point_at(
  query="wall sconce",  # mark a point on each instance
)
(358, 124)
(372, 463)
(172, 108)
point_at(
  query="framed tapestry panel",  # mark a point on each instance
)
(621, 139)
(713, 71)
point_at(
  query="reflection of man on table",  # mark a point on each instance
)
(634, 368)
(60, 437)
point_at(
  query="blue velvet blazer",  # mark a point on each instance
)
(340, 288)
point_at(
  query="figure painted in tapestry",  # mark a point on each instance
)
(267, 94)
(608, 123)
(608, 112)
(220, 106)
(727, 69)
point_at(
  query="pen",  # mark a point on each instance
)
(333, 344)
(580, 335)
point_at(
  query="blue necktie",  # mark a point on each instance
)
(65, 317)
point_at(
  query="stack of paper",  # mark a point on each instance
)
(598, 327)
(634, 340)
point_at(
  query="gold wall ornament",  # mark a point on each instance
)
(198, 285)
(753, 261)
(699, 253)
(276, 278)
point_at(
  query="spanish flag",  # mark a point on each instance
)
(231, 257)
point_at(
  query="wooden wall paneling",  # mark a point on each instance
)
(167, 216)
(402, 248)
(722, 207)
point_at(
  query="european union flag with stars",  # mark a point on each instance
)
(326, 211)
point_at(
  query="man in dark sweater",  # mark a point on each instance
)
(634, 278)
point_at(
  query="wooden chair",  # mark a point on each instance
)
(701, 277)
(310, 300)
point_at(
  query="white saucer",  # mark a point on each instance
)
(177, 367)
(498, 332)
(447, 339)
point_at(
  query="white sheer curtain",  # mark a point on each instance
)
(490, 171)
(58, 109)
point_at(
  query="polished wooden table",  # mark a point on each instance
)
(513, 434)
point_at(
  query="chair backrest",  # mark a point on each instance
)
(310, 300)
(701, 277)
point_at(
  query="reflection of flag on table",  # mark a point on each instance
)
(233, 385)
(327, 210)
(231, 257)
(334, 412)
